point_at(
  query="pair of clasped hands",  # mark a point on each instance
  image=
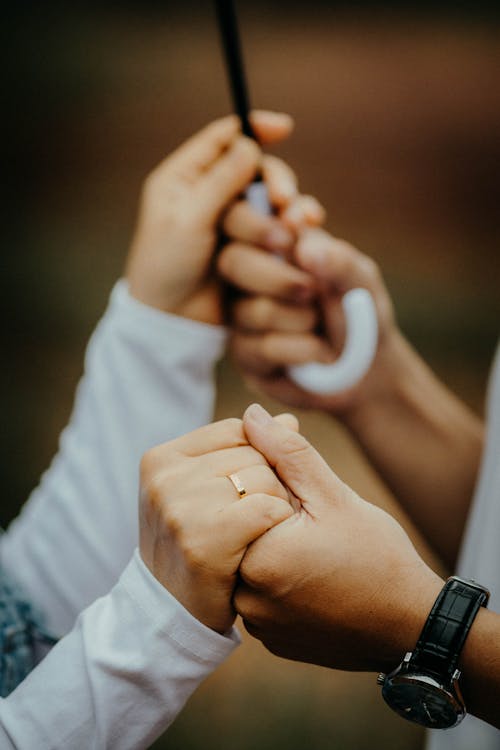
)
(299, 555)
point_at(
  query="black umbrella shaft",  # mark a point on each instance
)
(228, 26)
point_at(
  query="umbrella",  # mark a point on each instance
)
(358, 305)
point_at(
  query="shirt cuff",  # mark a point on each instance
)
(171, 618)
(162, 328)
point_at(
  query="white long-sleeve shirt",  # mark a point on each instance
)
(480, 560)
(123, 671)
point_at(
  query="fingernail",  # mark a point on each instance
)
(258, 414)
(278, 238)
(314, 210)
(280, 118)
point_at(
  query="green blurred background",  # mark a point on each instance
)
(397, 132)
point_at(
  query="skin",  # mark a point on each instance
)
(424, 442)
(339, 583)
(183, 202)
(194, 528)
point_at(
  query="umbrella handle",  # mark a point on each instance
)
(361, 331)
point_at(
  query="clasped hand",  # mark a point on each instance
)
(317, 573)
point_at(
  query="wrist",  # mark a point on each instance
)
(427, 686)
(408, 612)
(389, 383)
(204, 305)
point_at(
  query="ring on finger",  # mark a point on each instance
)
(237, 484)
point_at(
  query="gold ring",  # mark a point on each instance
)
(237, 484)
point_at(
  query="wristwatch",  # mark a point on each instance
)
(424, 687)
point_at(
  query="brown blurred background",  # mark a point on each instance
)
(397, 132)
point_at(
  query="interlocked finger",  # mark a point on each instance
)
(253, 480)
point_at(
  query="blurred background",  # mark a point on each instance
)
(397, 115)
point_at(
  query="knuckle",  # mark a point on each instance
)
(149, 463)
(246, 605)
(226, 261)
(268, 511)
(152, 498)
(233, 424)
(233, 430)
(267, 346)
(245, 154)
(262, 312)
(369, 268)
(159, 457)
(249, 147)
(254, 572)
(271, 485)
(261, 568)
(193, 551)
(241, 313)
(295, 444)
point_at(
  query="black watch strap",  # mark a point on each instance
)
(444, 633)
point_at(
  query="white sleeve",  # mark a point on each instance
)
(148, 378)
(119, 678)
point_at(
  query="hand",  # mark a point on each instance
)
(292, 314)
(194, 528)
(169, 266)
(339, 583)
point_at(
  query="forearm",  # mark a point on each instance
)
(148, 378)
(119, 678)
(425, 443)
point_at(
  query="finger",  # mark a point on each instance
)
(228, 433)
(340, 265)
(304, 211)
(227, 460)
(271, 127)
(263, 354)
(228, 176)
(246, 225)
(255, 480)
(200, 151)
(247, 520)
(289, 420)
(196, 492)
(297, 463)
(253, 270)
(259, 314)
(218, 436)
(253, 606)
(280, 179)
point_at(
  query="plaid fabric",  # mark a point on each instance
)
(20, 633)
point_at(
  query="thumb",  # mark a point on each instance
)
(295, 461)
(229, 176)
(231, 173)
(288, 420)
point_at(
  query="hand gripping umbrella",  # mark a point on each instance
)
(357, 304)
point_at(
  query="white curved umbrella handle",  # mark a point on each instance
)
(357, 355)
(361, 331)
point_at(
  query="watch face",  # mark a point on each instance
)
(422, 700)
